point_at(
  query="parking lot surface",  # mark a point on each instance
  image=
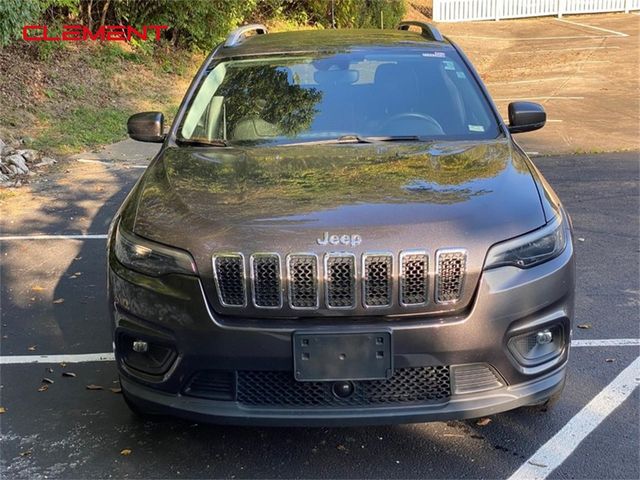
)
(53, 303)
(583, 69)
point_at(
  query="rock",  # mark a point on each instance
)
(4, 178)
(27, 140)
(18, 162)
(2, 146)
(45, 162)
(29, 155)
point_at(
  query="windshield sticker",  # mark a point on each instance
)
(461, 75)
(434, 54)
(476, 128)
(448, 65)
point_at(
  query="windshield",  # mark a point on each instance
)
(426, 94)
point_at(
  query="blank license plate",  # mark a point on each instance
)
(344, 356)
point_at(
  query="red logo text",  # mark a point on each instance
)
(79, 33)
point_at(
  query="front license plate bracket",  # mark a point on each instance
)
(342, 356)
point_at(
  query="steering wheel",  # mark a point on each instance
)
(401, 118)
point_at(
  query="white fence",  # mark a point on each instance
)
(465, 10)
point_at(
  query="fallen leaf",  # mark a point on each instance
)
(94, 387)
(58, 301)
(62, 364)
(68, 374)
(584, 326)
(116, 389)
(77, 274)
(26, 453)
(3, 410)
(32, 348)
(537, 464)
(49, 370)
(47, 380)
(125, 452)
(43, 388)
(37, 288)
(342, 448)
(483, 422)
(609, 360)
(580, 239)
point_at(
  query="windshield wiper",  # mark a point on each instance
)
(196, 142)
(352, 138)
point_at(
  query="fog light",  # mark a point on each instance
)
(148, 356)
(544, 337)
(140, 346)
(537, 346)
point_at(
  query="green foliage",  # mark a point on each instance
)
(14, 14)
(83, 127)
(290, 107)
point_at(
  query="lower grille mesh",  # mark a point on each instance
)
(278, 388)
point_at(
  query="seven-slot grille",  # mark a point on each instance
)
(341, 287)
(229, 276)
(414, 278)
(303, 281)
(378, 279)
(340, 271)
(265, 275)
(450, 269)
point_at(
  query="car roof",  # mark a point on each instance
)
(329, 40)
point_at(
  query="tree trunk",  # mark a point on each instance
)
(90, 15)
(105, 8)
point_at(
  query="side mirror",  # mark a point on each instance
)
(146, 127)
(526, 116)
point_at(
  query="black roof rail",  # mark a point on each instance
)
(428, 30)
(236, 36)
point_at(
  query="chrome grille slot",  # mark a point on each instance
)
(450, 271)
(303, 281)
(414, 278)
(229, 277)
(377, 281)
(265, 277)
(340, 280)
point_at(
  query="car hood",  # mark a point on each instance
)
(282, 199)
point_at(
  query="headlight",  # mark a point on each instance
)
(531, 249)
(149, 257)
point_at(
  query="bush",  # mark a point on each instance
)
(14, 14)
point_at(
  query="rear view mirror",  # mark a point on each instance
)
(146, 127)
(526, 117)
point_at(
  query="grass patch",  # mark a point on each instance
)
(82, 127)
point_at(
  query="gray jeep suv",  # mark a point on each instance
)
(339, 229)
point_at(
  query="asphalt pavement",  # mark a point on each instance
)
(53, 303)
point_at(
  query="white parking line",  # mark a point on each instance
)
(617, 34)
(540, 98)
(108, 357)
(607, 342)
(527, 39)
(565, 49)
(79, 358)
(553, 453)
(109, 164)
(83, 236)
